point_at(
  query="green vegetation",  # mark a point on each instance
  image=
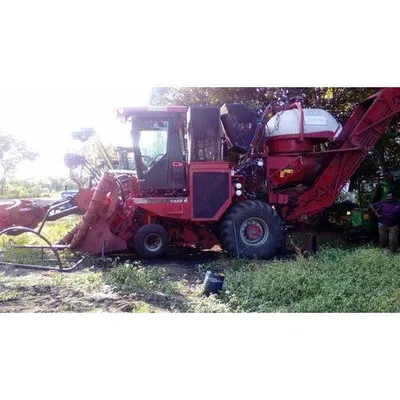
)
(53, 231)
(8, 295)
(360, 280)
(12, 152)
(33, 188)
(133, 277)
(335, 280)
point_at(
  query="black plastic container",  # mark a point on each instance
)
(213, 282)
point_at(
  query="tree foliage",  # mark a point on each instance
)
(340, 102)
(12, 153)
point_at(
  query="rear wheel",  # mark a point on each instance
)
(151, 241)
(252, 229)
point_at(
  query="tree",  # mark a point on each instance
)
(79, 178)
(338, 101)
(94, 151)
(54, 184)
(254, 97)
(12, 152)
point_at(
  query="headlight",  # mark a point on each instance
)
(238, 192)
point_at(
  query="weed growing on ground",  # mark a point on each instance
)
(142, 307)
(131, 277)
(8, 295)
(84, 281)
(210, 304)
(335, 280)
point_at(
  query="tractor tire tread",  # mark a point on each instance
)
(244, 210)
(139, 241)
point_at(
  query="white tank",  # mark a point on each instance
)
(315, 120)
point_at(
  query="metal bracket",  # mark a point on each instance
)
(17, 230)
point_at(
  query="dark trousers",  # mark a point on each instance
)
(389, 235)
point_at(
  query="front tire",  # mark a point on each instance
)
(151, 241)
(252, 229)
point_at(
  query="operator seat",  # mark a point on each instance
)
(239, 123)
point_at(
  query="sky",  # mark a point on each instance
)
(45, 118)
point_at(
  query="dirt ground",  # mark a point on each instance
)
(84, 290)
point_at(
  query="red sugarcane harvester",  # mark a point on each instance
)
(206, 176)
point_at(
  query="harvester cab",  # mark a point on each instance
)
(157, 137)
(167, 139)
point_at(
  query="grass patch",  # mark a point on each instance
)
(364, 279)
(82, 281)
(211, 304)
(142, 307)
(54, 231)
(25, 281)
(132, 277)
(8, 295)
(335, 280)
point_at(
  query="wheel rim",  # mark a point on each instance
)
(254, 232)
(153, 242)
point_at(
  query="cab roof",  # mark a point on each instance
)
(127, 112)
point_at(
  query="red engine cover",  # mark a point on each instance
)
(291, 158)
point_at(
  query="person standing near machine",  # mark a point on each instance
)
(388, 213)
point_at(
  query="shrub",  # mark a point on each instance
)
(133, 277)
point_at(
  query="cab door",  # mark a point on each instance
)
(161, 151)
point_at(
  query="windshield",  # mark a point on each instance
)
(153, 137)
(126, 159)
(152, 140)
